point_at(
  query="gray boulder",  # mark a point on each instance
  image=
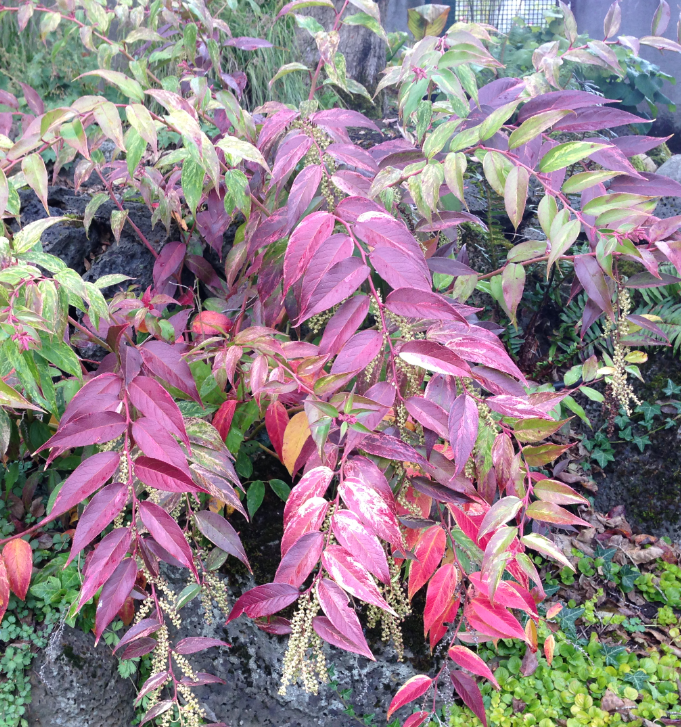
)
(75, 684)
(670, 206)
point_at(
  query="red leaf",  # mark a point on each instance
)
(372, 509)
(157, 442)
(358, 352)
(327, 631)
(276, 421)
(484, 352)
(106, 558)
(438, 630)
(344, 323)
(350, 575)
(434, 357)
(414, 688)
(300, 559)
(278, 625)
(493, 619)
(356, 539)
(274, 125)
(422, 304)
(166, 532)
(439, 595)
(416, 719)
(334, 603)
(163, 476)
(88, 477)
(152, 400)
(302, 192)
(350, 208)
(379, 229)
(264, 600)
(353, 156)
(364, 469)
(222, 419)
(313, 484)
(157, 710)
(4, 588)
(401, 270)
(340, 282)
(194, 644)
(508, 593)
(309, 516)
(429, 551)
(467, 659)
(145, 627)
(166, 362)
(221, 533)
(203, 678)
(115, 591)
(304, 243)
(463, 429)
(96, 428)
(101, 511)
(18, 558)
(467, 688)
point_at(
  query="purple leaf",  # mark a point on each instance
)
(401, 269)
(96, 428)
(108, 554)
(434, 357)
(163, 476)
(655, 185)
(467, 688)
(340, 282)
(445, 220)
(343, 117)
(447, 266)
(632, 145)
(353, 156)
(594, 119)
(422, 304)
(152, 400)
(342, 617)
(592, 278)
(344, 323)
(463, 429)
(165, 361)
(302, 192)
(384, 445)
(194, 644)
(358, 352)
(166, 532)
(221, 533)
(115, 591)
(101, 511)
(246, 43)
(145, 627)
(157, 442)
(142, 646)
(351, 208)
(429, 415)
(300, 559)
(291, 151)
(306, 239)
(572, 100)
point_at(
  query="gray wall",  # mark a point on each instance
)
(637, 17)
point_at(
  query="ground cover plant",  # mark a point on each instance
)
(340, 319)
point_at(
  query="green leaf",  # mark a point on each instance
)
(106, 115)
(113, 279)
(584, 180)
(497, 119)
(128, 86)
(574, 407)
(280, 489)
(187, 594)
(35, 172)
(368, 22)
(60, 355)
(27, 237)
(592, 394)
(92, 206)
(534, 126)
(193, 174)
(307, 22)
(288, 68)
(439, 137)
(240, 150)
(135, 147)
(515, 194)
(254, 496)
(564, 155)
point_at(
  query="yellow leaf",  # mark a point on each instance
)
(215, 505)
(549, 646)
(296, 433)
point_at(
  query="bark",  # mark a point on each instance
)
(364, 51)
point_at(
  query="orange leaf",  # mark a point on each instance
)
(18, 558)
(549, 646)
(554, 610)
(429, 551)
(295, 436)
(4, 588)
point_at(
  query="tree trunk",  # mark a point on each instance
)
(364, 51)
